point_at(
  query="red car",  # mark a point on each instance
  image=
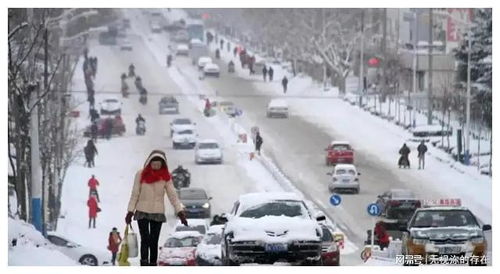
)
(179, 249)
(118, 128)
(330, 253)
(339, 152)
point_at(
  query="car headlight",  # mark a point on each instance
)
(206, 205)
(420, 241)
(332, 248)
(477, 240)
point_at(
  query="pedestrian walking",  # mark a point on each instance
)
(90, 152)
(93, 210)
(404, 161)
(264, 73)
(258, 142)
(94, 115)
(422, 149)
(284, 83)
(270, 71)
(221, 44)
(147, 206)
(93, 184)
(114, 242)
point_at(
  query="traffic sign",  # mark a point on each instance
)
(373, 209)
(335, 199)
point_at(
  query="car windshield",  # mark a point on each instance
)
(168, 99)
(199, 228)
(187, 131)
(276, 208)
(182, 122)
(345, 172)
(212, 239)
(401, 213)
(341, 147)
(443, 218)
(327, 236)
(192, 195)
(183, 242)
(111, 101)
(209, 145)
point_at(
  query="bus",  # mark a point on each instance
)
(195, 29)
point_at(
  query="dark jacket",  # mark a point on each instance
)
(284, 82)
(90, 150)
(422, 149)
(404, 151)
(258, 141)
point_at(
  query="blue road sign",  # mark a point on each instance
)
(335, 199)
(373, 209)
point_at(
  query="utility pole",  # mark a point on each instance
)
(429, 92)
(362, 60)
(467, 105)
(384, 57)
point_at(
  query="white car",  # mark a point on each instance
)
(125, 44)
(208, 252)
(111, 106)
(179, 249)
(199, 225)
(184, 138)
(181, 124)
(203, 60)
(211, 69)
(81, 254)
(277, 107)
(195, 41)
(208, 151)
(266, 227)
(156, 28)
(344, 178)
(182, 49)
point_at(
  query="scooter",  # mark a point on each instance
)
(181, 179)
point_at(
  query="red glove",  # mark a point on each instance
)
(182, 216)
(128, 218)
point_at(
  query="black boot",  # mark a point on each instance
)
(144, 263)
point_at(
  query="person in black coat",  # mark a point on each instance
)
(404, 161)
(422, 149)
(264, 73)
(270, 71)
(90, 152)
(284, 83)
(258, 142)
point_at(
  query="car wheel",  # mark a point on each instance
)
(88, 260)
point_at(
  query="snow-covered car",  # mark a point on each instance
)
(181, 124)
(344, 178)
(125, 44)
(79, 253)
(444, 227)
(111, 106)
(277, 108)
(198, 225)
(179, 249)
(203, 60)
(182, 49)
(208, 251)
(208, 151)
(330, 253)
(168, 104)
(184, 138)
(211, 69)
(267, 227)
(196, 202)
(339, 152)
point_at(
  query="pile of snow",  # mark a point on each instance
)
(31, 248)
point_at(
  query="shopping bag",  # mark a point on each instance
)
(123, 255)
(131, 238)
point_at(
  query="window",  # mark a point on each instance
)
(276, 208)
(184, 242)
(58, 241)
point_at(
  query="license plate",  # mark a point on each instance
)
(346, 181)
(449, 249)
(276, 247)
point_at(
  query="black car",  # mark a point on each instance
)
(168, 104)
(397, 207)
(196, 202)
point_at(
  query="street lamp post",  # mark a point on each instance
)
(467, 105)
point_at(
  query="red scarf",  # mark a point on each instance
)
(149, 175)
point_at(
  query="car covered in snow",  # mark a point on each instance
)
(268, 227)
(168, 104)
(182, 49)
(196, 202)
(444, 227)
(208, 251)
(125, 44)
(339, 152)
(344, 177)
(208, 151)
(117, 129)
(203, 60)
(211, 69)
(277, 108)
(110, 106)
(330, 251)
(198, 225)
(179, 249)
(179, 124)
(79, 253)
(185, 138)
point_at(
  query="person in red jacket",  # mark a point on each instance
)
(382, 235)
(93, 184)
(114, 242)
(93, 209)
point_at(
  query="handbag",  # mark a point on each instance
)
(98, 209)
(131, 239)
(123, 255)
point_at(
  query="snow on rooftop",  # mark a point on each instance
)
(185, 234)
(263, 197)
(215, 229)
(345, 166)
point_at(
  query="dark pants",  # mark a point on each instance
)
(91, 220)
(257, 148)
(284, 88)
(90, 160)
(150, 233)
(113, 257)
